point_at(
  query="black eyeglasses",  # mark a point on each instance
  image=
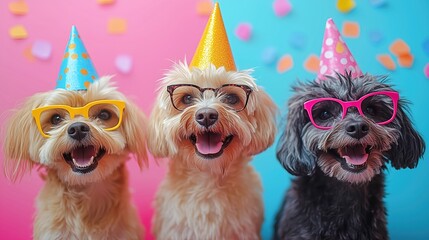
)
(234, 96)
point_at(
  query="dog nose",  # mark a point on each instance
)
(357, 130)
(78, 130)
(206, 116)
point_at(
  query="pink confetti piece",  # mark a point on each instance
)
(244, 31)
(282, 7)
(41, 49)
(124, 63)
(426, 70)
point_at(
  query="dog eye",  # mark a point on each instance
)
(56, 119)
(231, 99)
(104, 115)
(324, 115)
(187, 99)
(370, 110)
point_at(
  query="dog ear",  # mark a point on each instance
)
(160, 146)
(410, 145)
(265, 114)
(21, 136)
(135, 126)
(291, 152)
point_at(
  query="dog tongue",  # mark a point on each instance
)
(355, 155)
(83, 155)
(209, 143)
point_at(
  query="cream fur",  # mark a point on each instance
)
(218, 198)
(94, 205)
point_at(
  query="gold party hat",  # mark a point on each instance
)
(214, 45)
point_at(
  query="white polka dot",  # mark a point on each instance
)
(323, 69)
(328, 25)
(351, 58)
(343, 61)
(352, 69)
(329, 54)
(329, 41)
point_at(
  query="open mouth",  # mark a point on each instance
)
(84, 159)
(352, 158)
(210, 144)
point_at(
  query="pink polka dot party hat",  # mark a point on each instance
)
(77, 71)
(336, 56)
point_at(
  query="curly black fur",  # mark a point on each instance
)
(320, 204)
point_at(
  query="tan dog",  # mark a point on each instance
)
(86, 192)
(210, 123)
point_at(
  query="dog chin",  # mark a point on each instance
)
(353, 163)
(209, 144)
(84, 158)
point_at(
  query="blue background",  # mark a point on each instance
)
(407, 191)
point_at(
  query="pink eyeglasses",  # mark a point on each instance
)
(380, 107)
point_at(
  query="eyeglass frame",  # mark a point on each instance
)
(171, 88)
(308, 106)
(81, 111)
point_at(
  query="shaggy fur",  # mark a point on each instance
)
(210, 198)
(72, 205)
(327, 200)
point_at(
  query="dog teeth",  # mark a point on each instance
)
(91, 161)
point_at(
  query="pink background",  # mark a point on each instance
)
(158, 32)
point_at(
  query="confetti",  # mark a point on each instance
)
(386, 60)
(351, 29)
(41, 49)
(269, 56)
(345, 6)
(28, 54)
(375, 36)
(204, 8)
(378, 3)
(298, 40)
(18, 7)
(406, 60)
(105, 2)
(285, 63)
(18, 32)
(117, 26)
(399, 47)
(282, 7)
(311, 64)
(426, 70)
(426, 46)
(124, 63)
(244, 31)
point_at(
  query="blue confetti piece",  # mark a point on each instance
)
(269, 56)
(378, 3)
(426, 46)
(375, 36)
(298, 40)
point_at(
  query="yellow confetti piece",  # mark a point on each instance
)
(18, 32)
(351, 29)
(312, 63)
(284, 64)
(117, 26)
(105, 2)
(18, 8)
(204, 8)
(345, 6)
(386, 60)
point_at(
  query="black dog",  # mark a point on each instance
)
(338, 148)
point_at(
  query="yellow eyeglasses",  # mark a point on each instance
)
(107, 114)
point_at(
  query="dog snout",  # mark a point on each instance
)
(357, 129)
(206, 116)
(78, 130)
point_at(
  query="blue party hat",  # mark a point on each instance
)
(77, 71)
